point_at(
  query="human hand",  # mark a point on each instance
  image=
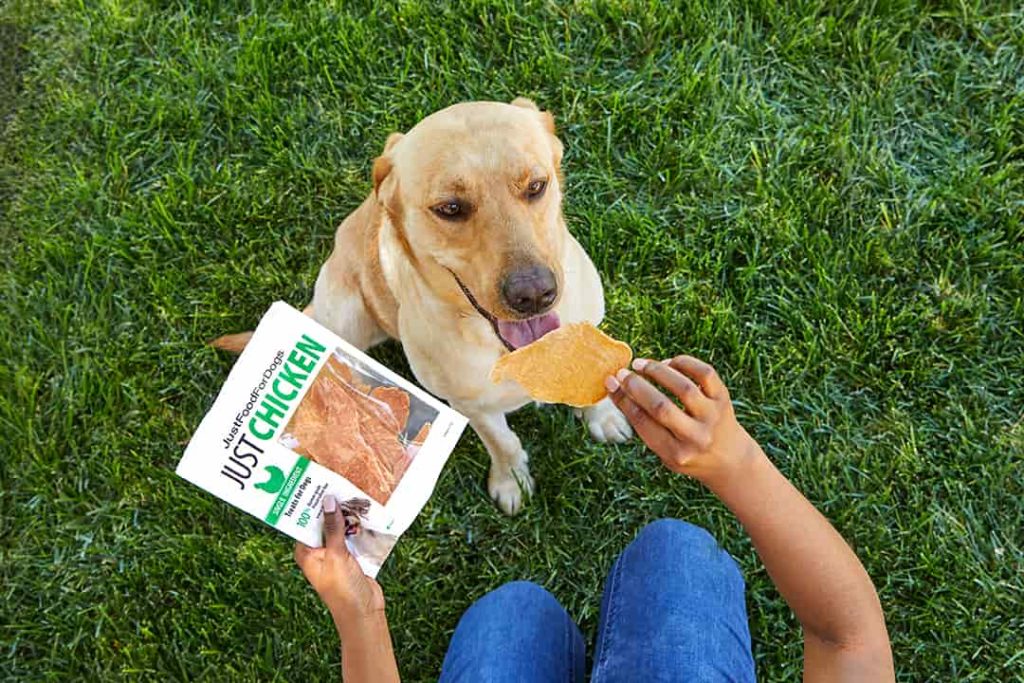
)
(350, 595)
(704, 441)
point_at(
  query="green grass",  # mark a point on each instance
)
(824, 199)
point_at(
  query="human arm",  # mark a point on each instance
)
(819, 576)
(355, 601)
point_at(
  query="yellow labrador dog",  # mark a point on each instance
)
(461, 253)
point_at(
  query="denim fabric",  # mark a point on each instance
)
(673, 610)
(515, 634)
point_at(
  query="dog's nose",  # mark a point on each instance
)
(531, 290)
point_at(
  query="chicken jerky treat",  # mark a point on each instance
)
(566, 366)
(353, 429)
(396, 399)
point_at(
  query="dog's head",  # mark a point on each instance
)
(474, 193)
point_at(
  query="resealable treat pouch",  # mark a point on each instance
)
(303, 414)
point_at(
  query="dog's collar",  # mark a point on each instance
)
(481, 310)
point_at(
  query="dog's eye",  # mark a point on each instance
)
(536, 188)
(450, 210)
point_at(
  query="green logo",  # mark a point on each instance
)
(276, 481)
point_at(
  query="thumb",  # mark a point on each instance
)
(334, 525)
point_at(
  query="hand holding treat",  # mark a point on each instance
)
(565, 366)
(702, 438)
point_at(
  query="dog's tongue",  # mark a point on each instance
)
(522, 332)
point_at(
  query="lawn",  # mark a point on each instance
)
(823, 199)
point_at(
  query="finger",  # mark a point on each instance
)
(701, 373)
(658, 438)
(334, 536)
(681, 386)
(334, 524)
(301, 553)
(305, 556)
(658, 406)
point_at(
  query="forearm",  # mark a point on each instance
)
(366, 651)
(814, 569)
(818, 575)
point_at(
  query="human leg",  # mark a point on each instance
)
(673, 610)
(518, 632)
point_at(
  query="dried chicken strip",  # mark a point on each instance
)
(397, 400)
(344, 372)
(342, 430)
(421, 435)
(381, 430)
(567, 366)
(387, 448)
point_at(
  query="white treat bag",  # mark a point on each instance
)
(303, 414)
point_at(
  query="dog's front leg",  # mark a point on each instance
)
(509, 479)
(606, 423)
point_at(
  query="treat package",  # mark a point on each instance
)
(303, 414)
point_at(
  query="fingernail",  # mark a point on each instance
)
(330, 504)
(621, 375)
(639, 364)
(611, 384)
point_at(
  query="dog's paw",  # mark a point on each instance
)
(509, 488)
(606, 422)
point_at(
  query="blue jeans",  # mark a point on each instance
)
(673, 610)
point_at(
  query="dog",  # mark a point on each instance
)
(461, 253)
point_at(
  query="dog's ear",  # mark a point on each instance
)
(546, 120)
(524, 103)
(557, 148)
(382, 165)
(392, 140)
(381, 170)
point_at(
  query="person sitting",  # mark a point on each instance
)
(673, 607)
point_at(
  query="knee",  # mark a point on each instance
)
(508, 610)
(681, 544)
(519, 591)
(516, 597)
(516, 632)
(676, 533)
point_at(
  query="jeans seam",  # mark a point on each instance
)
(613, 609)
